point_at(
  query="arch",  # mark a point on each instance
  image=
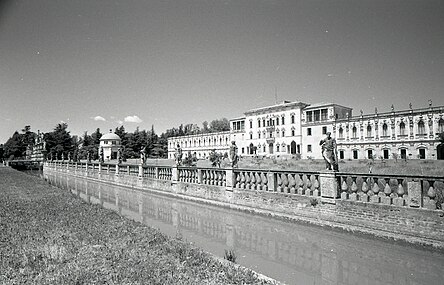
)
(441, 125)
(384, 130)
(341, 132)
(401, 128)
(421, 127)
(251, 148)
(293, 147)
(354, 132)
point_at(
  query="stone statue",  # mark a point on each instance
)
(430, 103)
(410, 106)
(101, 157)
(362, 112)
(88, 157)
(178, 155)
(63, 156)
(234, 158)
(143, 155)
(330, 152)
(69, 156)
(119, 156)
(376, 110)
(393, 108)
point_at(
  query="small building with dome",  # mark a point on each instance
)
(110, 143)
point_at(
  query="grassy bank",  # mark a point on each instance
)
(48, 236)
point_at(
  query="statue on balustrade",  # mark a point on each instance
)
(178, 155)
(119, 156)
(101, 156)
(330, 152)
(143, 155)
(63, 156)
(69, 156)
(88, 157)
(234, 158)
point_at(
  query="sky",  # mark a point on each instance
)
(104, 63)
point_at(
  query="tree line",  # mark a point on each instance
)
(60, 143)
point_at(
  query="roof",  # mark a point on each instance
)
(110, 136)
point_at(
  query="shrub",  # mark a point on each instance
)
(230, 255)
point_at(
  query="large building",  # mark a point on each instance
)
(296, 128)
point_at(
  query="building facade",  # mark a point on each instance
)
(110, 143)
(296, 128)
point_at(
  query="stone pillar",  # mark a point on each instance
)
(329, 187)
(414, 192)
(230, 179)
(156, 172)
(199, 176)
(86, 169)
(174, 174)
(117, 170)
(271, 182)
(100, 167)
(140, 171)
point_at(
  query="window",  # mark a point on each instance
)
(422, 153)
(354, 132)
(308, 131)
(292, 133)
(292, 119)
(309, 148)
(341, 154)
(243, 150)
(264, 148)
(370, 154)
(384, 130)
(251, 124)
(403, 153)
(277, 148)
(324, 130)
(283, 133)
(317, 115)
(441, 126)
(355, 154)
(309, 116)
(259, 135)
(341, 133)
(251, 136)
(402, 129)
(386, 154)
(421, 127)
(263, 122)
(324, 114)
(277, 121)
(106, 142)
(283, 120)
(258, 123)
(369, 131)
(113, 142)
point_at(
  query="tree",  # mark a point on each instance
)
(59, 141)
(16, 145)
(220, 125)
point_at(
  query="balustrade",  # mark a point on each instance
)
(403, 191)
(188, 175)
(251, 180)
(150, 172)
(217, 177)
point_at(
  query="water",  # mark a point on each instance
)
(288, 252)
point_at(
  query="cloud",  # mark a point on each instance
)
(119, 122)
(99, 118)
(132, 119)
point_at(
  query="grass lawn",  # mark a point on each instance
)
(48, 236)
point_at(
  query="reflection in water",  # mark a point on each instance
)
(289, 252)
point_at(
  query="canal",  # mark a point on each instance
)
(289, 252)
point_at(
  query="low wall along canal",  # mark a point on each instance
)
(407, 208)
(292, 253)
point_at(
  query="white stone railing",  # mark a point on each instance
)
(411, 191)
